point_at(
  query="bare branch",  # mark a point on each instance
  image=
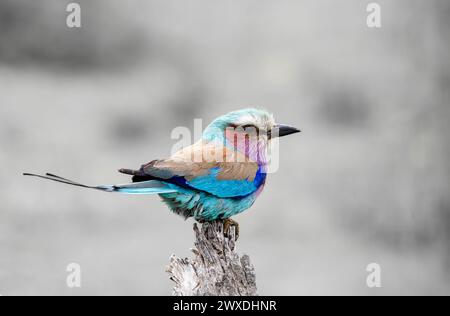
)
(216, 268)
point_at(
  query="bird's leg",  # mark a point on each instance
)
(227, 224)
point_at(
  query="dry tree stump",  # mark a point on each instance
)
(216, 269)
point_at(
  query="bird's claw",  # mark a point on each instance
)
(227, 224)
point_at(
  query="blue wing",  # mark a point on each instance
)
(226, 188)
(221, 180)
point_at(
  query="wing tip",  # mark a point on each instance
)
(128, 171)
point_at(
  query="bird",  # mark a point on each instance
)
(216, 178)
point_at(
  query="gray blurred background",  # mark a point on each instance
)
(366, 181)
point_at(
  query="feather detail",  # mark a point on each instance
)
(144, 187)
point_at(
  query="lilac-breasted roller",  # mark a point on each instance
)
(217, 177)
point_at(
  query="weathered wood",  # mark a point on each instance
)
(215, 269)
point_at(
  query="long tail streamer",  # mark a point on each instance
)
(144, 187)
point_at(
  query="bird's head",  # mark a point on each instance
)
(249, 122)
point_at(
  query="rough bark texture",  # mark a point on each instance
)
(215, 269)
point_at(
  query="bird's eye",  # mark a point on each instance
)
(249, 126)
(245, 126)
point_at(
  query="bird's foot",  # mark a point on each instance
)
(227, 224)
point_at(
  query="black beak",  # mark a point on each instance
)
(281, 130)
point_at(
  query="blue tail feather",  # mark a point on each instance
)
(145, 187)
